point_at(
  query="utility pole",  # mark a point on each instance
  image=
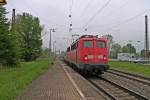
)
(54, 46)
(146, 38)
(13, 17)
(55, 51)
(50, 40)
(130, 41)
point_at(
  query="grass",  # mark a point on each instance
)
(131, 67)
(14, 80)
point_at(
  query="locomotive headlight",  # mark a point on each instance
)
(104, 57)
(100, 56)
(85, 57)
(90, 56)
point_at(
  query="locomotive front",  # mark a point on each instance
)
(93, 55)
(89, 54)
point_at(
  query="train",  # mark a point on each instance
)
(88, 54)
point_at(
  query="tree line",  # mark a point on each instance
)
(116, 48)
(22, 41)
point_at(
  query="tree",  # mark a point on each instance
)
(116, 48)
(45, 52)
(110, 39)
(30, 32)
(142, 53)
(128, 49)
(8, 41)
(110, 42)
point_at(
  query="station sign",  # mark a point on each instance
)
(3, 2)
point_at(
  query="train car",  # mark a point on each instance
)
(89, 54)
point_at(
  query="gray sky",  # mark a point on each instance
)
(91, 14)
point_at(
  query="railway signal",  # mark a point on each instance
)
(3, 2)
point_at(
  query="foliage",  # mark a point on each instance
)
(128, 49)
(131, 67)
(30, 32)
(142, 53)
(110, 42)
(8, 41)
(14, 80)
(110, 39)
(45, 53)
(116, 48)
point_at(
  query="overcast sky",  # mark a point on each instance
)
(123, 19)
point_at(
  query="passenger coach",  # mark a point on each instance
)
(89, 54)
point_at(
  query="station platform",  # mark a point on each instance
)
(59, 83)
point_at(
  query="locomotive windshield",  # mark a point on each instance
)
(88, 44)
(101, 44)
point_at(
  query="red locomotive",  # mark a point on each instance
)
(89, 54)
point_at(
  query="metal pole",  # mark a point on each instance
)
(55, 51)
(53, 47)
(130, 49)
(146, 38)
(13, 18)
(50, 42)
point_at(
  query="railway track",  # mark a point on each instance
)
(112, 90)
(134, 77)
(115, 91)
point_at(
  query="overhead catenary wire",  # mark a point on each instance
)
(87, 6)
(110, 14)
(71, 6)
(98, 12)
(43, 18)
(128, 20)
(119, 9)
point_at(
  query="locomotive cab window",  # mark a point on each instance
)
(88, 44)
(101, 44)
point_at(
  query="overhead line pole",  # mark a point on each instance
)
(13, 17)
(146, 38)
(50, 40)
(128, 20)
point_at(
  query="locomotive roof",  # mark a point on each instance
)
(92, 36)
(84, 37)
(89, 36)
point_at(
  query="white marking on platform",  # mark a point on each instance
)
(74, 84)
